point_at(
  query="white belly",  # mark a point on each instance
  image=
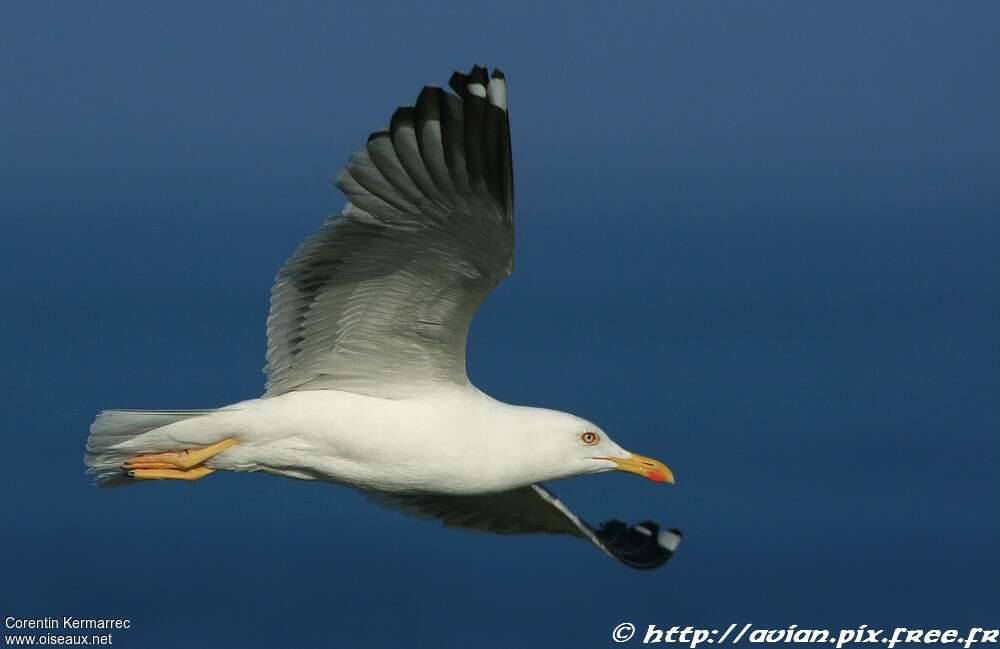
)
(438, 444)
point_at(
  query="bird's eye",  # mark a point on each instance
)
(590, 438)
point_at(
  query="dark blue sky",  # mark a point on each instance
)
(756, 240)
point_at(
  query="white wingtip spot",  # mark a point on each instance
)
(670, 540)
(497, 93)
(477, 89)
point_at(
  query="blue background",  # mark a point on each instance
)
(756, 240)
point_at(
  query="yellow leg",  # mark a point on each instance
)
(170, 474)
(181, 460)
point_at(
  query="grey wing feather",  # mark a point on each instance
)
(535, 509)
(379, 301)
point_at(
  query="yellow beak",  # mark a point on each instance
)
(647, 467)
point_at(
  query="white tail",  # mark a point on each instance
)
(116, 434)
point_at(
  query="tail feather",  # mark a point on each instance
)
(114, 436)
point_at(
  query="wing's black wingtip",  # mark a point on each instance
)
(402, 118)
(643, 546)
(428, 93)
(479, 75)
(460, 81)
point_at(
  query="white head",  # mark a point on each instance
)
(563, 445)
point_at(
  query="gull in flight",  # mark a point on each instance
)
(366, 336)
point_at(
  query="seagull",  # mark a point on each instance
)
(366, 337)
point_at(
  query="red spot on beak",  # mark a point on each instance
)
(657, 476)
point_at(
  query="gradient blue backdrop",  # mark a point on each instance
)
(757, 240)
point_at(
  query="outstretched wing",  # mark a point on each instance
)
(534, 509)
(379, 301)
